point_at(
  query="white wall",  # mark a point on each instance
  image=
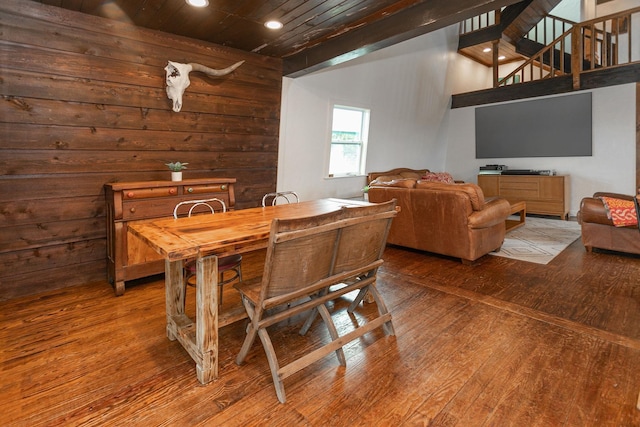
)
(571, 9)
(408, 89)
(614, 6)
(468, 75)
(610, 168)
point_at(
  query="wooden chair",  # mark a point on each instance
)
(309, 262)
(230, 264)
(207, 204)
(273, 199)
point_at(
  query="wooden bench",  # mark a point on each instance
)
(311, 261)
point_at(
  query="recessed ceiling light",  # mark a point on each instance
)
(486, 49)
(501, 57)
(273, 25)
(198, 3)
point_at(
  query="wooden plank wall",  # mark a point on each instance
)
(84, 103)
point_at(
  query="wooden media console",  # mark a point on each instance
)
(543, 194)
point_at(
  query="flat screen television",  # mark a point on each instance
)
(551, 127)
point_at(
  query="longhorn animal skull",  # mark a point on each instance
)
(178, 78)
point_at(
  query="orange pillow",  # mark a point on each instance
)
(621, 212)
(438, 177)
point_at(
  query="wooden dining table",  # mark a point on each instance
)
(205, 238)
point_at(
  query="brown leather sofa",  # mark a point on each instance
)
(448, 219)
(598, 231)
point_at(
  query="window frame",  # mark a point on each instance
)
(362, 143)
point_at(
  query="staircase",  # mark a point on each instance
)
(542, 34)
(596, 53)
(500, 30)
(596, 44)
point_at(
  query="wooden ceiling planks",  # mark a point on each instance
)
(315, 32)
(309, 30)
(403, 25)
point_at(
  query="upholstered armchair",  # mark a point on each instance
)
(599, 230)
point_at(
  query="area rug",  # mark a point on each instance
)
(539, 240)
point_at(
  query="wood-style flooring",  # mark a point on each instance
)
(497, 343)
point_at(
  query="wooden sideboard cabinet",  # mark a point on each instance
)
(129, 258)
(543, 194)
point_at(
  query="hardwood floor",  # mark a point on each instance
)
(498, 343)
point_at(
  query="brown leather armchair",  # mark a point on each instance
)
(598, 231)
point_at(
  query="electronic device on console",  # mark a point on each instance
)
(504, 170)
(528, 172)
(492, 169)
(519, 172)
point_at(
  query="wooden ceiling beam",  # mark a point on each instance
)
(417, 20)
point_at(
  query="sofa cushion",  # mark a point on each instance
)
(398, 173)
(438, 177)
(476, 196)
(385, 178)
(403, 183)
(413, 174)
(389, 178)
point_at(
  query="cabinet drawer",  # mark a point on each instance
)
(545, 208)
(210, 188)
(156, 208)
(518, 185)
(146, 193)
(522, 187)
(148, 208)
(519, 193)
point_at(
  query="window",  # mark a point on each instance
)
(349, 132)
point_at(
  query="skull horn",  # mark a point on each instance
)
(177, 78)
(215, 73)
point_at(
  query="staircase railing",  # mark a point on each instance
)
(549, 28)
(480, 22)
(550, 61)
(596, 44)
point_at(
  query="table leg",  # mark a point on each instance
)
(207, 318)
(519, 208)
(174, 295)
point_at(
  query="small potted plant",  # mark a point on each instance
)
(365, 191)
(176, 170)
